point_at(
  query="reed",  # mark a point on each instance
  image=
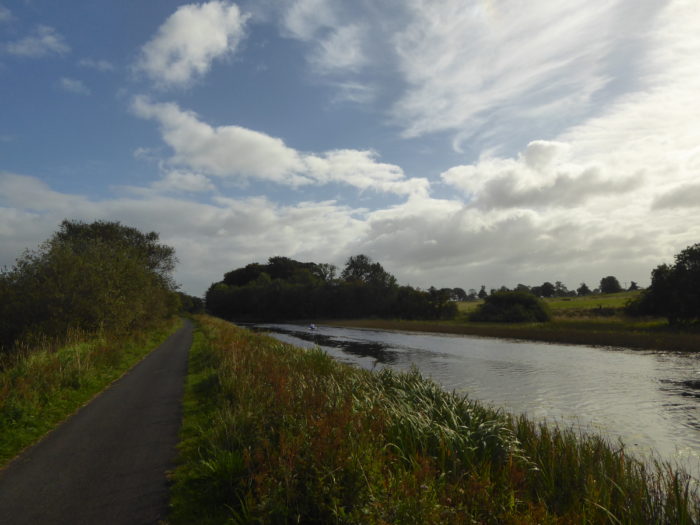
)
(277, 434)
(42, 383)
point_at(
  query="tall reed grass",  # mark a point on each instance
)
(43, 382)
(276, 434)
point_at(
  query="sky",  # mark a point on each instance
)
(459, 143)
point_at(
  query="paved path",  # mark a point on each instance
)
(106, 464)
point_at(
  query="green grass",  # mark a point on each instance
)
(591, 302)
(40, 387)
(277, 434)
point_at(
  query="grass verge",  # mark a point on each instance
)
(277, 434)
(40, 387)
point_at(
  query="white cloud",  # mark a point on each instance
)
(225, 151)
(304, 18)
(542, 176)
(190, 40)
(340, 50)
(182, 181)
(43, 41)
(73, 85)
(99, 65)
(337, 46)
(510, 62)
(233, 151)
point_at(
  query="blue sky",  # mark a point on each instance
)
(459, 143)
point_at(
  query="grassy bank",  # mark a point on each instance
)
(39, 387)
(600, 332)
(591, 320)
(276, 434)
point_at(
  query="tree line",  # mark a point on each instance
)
(287, 289)
(93, 277)
(609, 284)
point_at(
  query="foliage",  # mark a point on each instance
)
(583, 289)
(89, 277)
(191, 304)
(276, 434)
(511, 307)
(674, 291)
(288, 289)
(610, 284)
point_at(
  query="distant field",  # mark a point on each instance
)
(568, 305)
(588, 302)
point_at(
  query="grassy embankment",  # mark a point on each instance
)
(592, 320)
(40, 387)
(276, 434)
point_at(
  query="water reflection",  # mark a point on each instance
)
(651, 400)
(379, 352)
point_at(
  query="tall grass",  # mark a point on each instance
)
(276, 434)
(42, 383)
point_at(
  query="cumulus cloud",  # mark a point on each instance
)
(234, 151)
(225, 151)
(189, 41)
(541, 176)
(73, 85)
(43, 41)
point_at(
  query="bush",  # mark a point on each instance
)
(511, 307)
(92, 277)
(674, 291)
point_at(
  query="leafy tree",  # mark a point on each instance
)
(483, 293)
(97, 276)
(511, 307)
(458, 294)
(674, 291)
(633, 286)
(610, 284)
(560, 289)
(360, 268)
(583, 290)
(547, 289)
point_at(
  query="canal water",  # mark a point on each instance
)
(650, 400)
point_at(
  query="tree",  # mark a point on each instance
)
(633, 286)
(583, 290)
(360, 268)
(610, 284)
(674, 291)
(458, 294)
(482, 293)
(92, 277)
(547, 289)
(511, 307)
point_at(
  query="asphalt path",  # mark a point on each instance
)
(107, 463)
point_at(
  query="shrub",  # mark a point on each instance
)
(511, 307)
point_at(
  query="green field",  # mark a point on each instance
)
(567, 305)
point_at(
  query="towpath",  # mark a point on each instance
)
(106, 464)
